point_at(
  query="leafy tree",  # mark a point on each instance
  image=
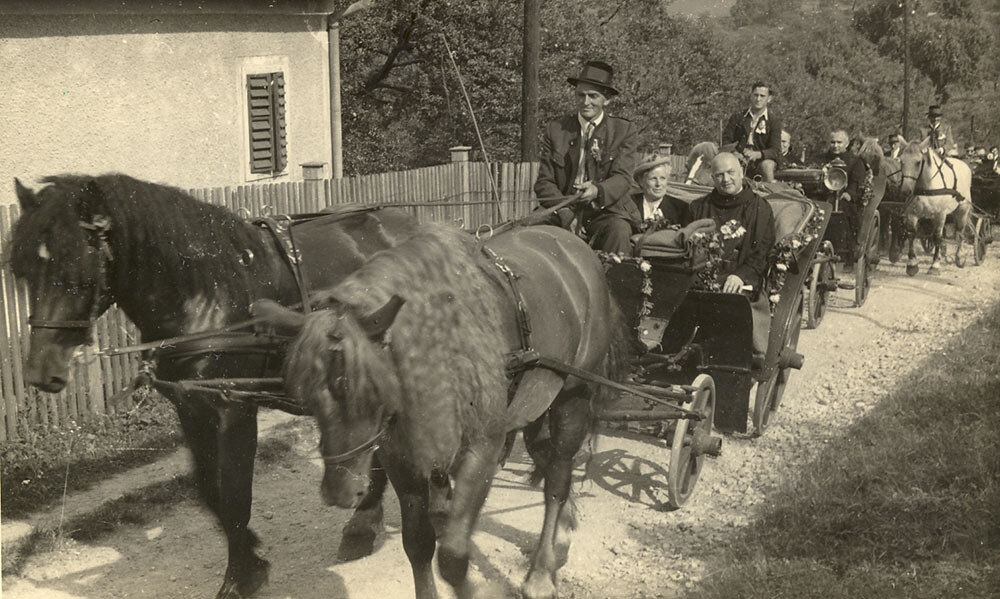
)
(748, 12)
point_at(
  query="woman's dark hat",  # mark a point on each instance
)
(934, 110)
(597, 73)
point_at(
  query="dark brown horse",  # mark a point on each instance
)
(409, 359)
(177, 266)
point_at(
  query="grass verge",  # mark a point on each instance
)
(35, 470)
(904, 505)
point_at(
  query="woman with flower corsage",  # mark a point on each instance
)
(746, 232)
(656, 209)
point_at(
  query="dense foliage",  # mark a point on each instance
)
(680, 76)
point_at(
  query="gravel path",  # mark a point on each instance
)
(627, 546)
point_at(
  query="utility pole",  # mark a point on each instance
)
(906, 69)
(529, 82)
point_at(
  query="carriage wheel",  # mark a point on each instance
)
(863, 270)
(792, 343)
(769, 392)
(685, 458)
(979, 242)
(819, 292)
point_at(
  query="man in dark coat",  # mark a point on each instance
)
(850, 198)
(744, 257)
(937, 133)
(592, 153)
(756, 134)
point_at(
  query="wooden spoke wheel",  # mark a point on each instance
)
(819, 292)
(865, 264)
(690, 437)
(770, 392)
(979, 241)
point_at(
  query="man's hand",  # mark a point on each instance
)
(587, 191)
(752, 154)
(733, 284)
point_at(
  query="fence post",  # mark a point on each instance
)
(460, 160)
(666, 149)
(312, 174)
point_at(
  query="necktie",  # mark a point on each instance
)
(581, 168)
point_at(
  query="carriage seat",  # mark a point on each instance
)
(790, 214)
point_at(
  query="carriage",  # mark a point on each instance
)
(842, 243)
(689, 332)
(985, 209)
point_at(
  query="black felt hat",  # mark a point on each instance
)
(934, 110)
(597, 73)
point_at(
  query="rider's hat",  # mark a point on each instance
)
(597, 73)
(934, 110)
(647, 163)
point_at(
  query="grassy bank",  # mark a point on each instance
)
(34, 470)
(906, 504)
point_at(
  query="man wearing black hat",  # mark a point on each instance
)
(592, 153)
(937, 133)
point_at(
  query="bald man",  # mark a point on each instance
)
(744, 259)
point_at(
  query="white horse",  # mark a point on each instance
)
(934, 188)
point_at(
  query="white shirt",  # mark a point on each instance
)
(754, 121)
(651, 209)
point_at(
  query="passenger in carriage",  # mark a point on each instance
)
(746, 222)
(655, 208)
(895, 146)
(756, 134)
(745, 254)
(790, 153)
(591, 153)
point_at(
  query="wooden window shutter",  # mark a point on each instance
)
(266, 105)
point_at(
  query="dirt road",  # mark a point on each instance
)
(627, 545)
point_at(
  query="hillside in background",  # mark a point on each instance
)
(680, 74)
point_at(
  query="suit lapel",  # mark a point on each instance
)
(574, 149)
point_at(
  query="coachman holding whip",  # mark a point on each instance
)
(591, 153)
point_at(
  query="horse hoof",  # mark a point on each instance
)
(912, 269)
(538, 587)
(960, 262)
(933, 270)
(258, 576)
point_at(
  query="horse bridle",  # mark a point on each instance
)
(370, 445)
(98, 230)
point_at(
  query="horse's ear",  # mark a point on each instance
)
(27, 198)
(378, 322)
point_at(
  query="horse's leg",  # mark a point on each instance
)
(569, 424)
(358, 539)
(938, 244)
(473, 479)
(223, 446)
(961, 222)
(237, 447)
(418, 533)
(911, 257)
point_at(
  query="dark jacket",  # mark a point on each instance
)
(855, 171)
(768, 143)
(676, 211)
(559, 158)
(757, 218)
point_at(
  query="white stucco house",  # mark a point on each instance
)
(202, 93)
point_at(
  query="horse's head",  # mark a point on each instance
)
(911, 162)
(341, 367)
(59, 247)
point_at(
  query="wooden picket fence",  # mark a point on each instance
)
(459, 192)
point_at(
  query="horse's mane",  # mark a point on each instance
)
(195, 246)
(443, 370)
(871, 153)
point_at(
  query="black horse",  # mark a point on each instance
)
(177, 266)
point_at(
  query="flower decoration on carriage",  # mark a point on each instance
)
(868, 187)
(646, 306)
(659, 223)
(710, 244)
(595, 149)
(784, 254)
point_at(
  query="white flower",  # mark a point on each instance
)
(773, 298)
(645, 266)
(781, 266)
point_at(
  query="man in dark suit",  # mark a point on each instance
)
(937, 133)
(850, 198)
(756, 134)
(592, 153)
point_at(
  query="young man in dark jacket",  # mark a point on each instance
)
(756, 134)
